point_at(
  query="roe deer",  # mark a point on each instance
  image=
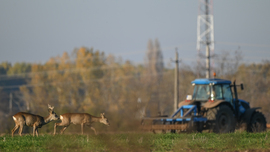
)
(80, 118)
(22, 118)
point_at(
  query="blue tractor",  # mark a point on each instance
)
(214, 106)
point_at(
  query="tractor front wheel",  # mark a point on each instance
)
(221, 119)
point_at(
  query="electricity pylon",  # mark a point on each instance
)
(205, 31)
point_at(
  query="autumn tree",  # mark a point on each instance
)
(154, 70)
(227, 62)
(154, 60)
(4, 67)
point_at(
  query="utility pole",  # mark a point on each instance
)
(176, 82)
(205, 31)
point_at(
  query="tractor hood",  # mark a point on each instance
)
(243, 101)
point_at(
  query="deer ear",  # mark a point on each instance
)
(102, 115)
(50, 108)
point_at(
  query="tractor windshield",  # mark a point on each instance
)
(212, 92)
(223, 92)
(202, 92)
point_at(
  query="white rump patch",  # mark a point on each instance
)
(61, 117)
(13, 117)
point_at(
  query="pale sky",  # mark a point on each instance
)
(34, 31)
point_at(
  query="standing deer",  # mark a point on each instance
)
(80, 118)
(22, 118)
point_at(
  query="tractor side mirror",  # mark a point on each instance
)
(242, 86)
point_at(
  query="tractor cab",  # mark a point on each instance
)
(212, 90)
(209, 93)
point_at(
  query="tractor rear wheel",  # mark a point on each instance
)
(221, 119)
(257, 123)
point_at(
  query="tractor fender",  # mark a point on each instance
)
(214, 104)
(248, 114)
(186, 102)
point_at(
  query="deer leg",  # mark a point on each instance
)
(37, 131)
(82, 128)
(65, 124)
(21, 129)
(14, 129)
(55, 125)
(94, 130)
(62, 131)
(34, 129)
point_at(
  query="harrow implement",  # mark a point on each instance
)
(186, 118)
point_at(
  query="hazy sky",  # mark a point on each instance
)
(34, 31)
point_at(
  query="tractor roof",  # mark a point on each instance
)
(212, 81)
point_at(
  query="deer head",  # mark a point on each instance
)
(53, 115)
(104, 120)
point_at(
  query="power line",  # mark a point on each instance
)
(243, 44)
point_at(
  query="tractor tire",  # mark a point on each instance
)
(221, 119)
(257, 123)
(194, 126)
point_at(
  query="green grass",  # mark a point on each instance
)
(139, 142)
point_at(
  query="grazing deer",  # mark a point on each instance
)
(22, 118)
(80, 118)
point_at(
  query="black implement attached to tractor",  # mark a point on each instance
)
(214, 107)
